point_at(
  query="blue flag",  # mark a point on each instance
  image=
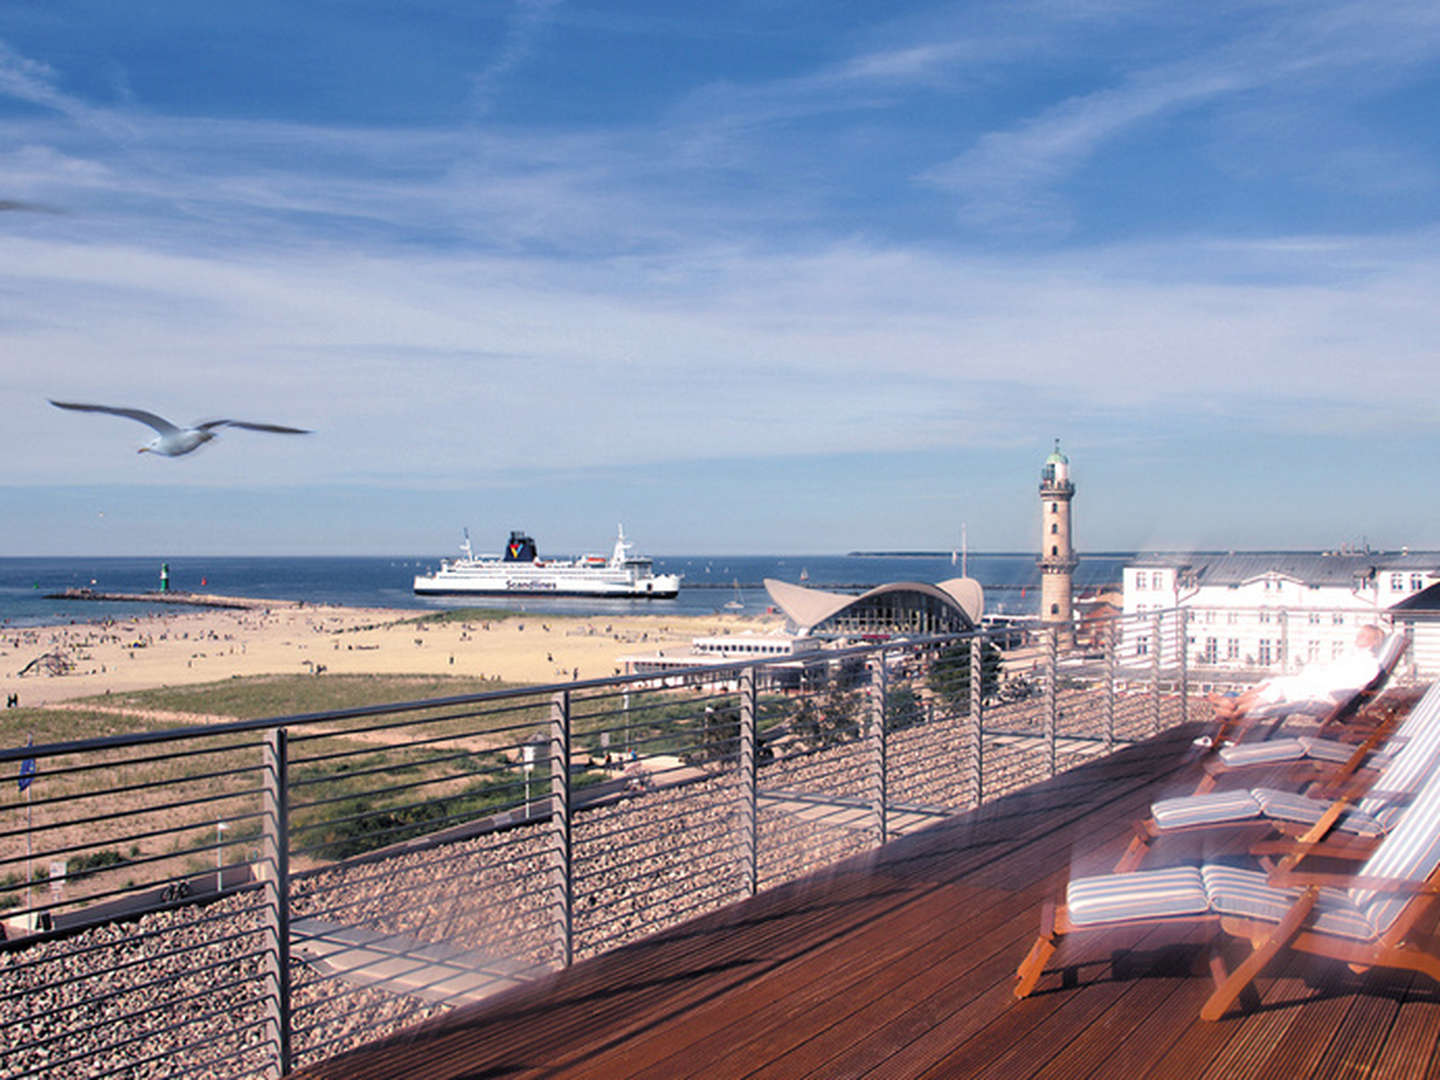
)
(27, 767)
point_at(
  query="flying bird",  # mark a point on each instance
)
(172, 441)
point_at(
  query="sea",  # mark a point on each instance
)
(710, 582)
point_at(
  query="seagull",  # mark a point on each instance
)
(172, 440)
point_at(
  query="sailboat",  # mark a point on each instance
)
(737, 604)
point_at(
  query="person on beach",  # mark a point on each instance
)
(1320, 684)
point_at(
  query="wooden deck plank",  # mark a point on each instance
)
(900, 962)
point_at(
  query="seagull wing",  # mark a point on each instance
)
(257, 427)
(159, 423)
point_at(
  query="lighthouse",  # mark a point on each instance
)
(1057, 555)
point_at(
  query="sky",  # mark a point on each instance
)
(784, 277)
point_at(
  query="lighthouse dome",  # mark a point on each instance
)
(1057, 468)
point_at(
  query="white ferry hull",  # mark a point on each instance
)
(523, 573)
(516, 581)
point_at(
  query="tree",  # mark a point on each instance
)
(719, 736)
(829, 718)
(949, 675)
(903, 709)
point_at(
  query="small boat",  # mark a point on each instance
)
(737, 604)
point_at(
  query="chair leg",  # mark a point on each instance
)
(1028, 974)
(1262, 952)
(1136, 852)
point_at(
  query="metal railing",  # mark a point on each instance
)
(248, 897)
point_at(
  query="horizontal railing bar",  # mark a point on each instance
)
(100, 946)
(503, 709)
(114, 1046)
(129, 788)
(131, 837)
(232, 727)
(92, 1000)
(131, 1066)
(512, 898)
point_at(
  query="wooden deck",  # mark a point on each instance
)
(900, 964)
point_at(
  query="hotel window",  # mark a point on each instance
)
(1417, 582)
(1157, 580)
(1337, 650)
(1142, 645)
(1338, 619)
(1140, 581)
(1397, 582)
(1314, 618)
(1263, 650)
(1212, 650)
(1312, 650)
(1232, 648)
(1264, 616)
(1232, 617)
(1209, 616)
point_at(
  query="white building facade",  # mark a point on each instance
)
(1276, 611)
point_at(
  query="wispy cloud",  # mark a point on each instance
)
(743, 270)
(1014, 178)
(523, 30)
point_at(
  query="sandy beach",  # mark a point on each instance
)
(203, 645)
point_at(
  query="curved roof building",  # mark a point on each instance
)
(899, 608)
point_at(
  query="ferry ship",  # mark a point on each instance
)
(519, 570)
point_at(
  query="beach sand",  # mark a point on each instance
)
(204, 645)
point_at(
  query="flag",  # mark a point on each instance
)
(27, 767)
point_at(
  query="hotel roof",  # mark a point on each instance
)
(1312, 568)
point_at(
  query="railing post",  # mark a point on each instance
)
(877, 748)
(976, 719)
(749, 809)
(1052, 700)
(1182, 633)
(1112, 647)
(1157, 646)
(561, 868)
(275, 871)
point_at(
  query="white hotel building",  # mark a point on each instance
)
(1261, 610)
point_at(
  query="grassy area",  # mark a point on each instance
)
(57, 725)
(286, 695)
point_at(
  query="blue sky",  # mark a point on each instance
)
(790, 277)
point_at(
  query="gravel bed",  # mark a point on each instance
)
(149, 997)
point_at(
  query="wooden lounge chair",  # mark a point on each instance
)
(1403, 764)
(1368, 919)
(1325, 712)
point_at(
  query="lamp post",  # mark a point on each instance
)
(527, 751)
(220, 827)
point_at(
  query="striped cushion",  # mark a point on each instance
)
(1327, 749)
(1415, 745)
(1288, 806)
(1411, 852)
(1259, 753)
(1144, 894)
(1233, 890)
(1391, 650)
(1210, 808)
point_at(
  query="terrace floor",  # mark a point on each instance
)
(900, 964)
